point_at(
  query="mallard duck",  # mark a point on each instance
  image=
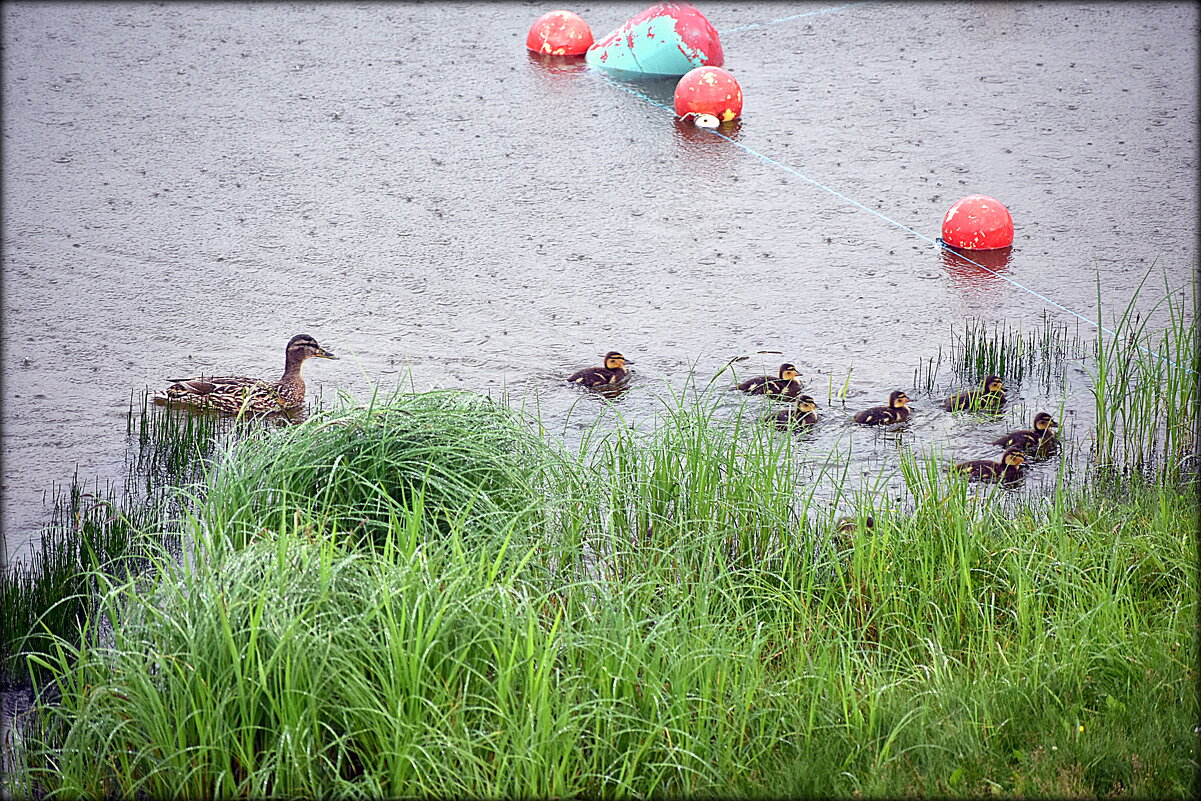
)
(1009, 468)
(233, 394)
(785, 385)
(614, 372)
(1039, 438)
(801, 413)
(896, 411)
(990, 395)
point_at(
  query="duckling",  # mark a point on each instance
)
(847, 527)
(787, 385)
(1040, 438)
(1008, 469)
(990, 396)
(896, 411)
(613, 373)
(802, 413)
(234, 394)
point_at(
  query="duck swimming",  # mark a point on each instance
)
(785, 385)
(234, 394)
(1008, 469)
(613, 373)
(1039, 438)
(896, 411)
(801, 413)
(990, 396)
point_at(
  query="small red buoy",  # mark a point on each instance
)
(977, 222)
(709, 90)
(559, 33)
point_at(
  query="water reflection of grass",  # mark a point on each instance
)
(426, 596)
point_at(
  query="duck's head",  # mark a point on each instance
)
(898, 399)
(1043, 421)
(1013, 457)
(615, 361)
(788, 371)
(994, 384)
(806, 404)
(303, 346)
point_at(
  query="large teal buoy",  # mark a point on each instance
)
(665, 39)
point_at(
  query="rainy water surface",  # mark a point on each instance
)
(187, 186)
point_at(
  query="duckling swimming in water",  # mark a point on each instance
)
(1040, 438)
(896, 411)
(233, 394)
(1008, 469)
(801, 413)
(612, 374)
(990, 396)
(786, 385)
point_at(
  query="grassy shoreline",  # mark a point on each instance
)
(429, 596)
(651, 624)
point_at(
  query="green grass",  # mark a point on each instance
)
(104, 529)
(652, 619)
(427, 596)
(1145, 386)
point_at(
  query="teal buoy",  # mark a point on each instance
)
(665, 39)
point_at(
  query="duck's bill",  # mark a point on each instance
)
(626, 361)
(325, 354)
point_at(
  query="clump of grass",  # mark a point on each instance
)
(1145, 386)
(300, 665)
(94, 528)
(457, 454)
(980, 350)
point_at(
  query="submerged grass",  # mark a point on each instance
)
(102, 530)
(1146, 386)
(653, 617)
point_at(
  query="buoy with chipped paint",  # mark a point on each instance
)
(559, 33)
(664, 39)
(709, 91)
(978, 222)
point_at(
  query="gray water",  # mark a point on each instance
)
(187, 186)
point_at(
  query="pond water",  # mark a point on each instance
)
(187, 186)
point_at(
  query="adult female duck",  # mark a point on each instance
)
(234, 394)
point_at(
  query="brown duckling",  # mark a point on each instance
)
(1009, 468)
(801, 413)
(612, 374)
(233, 394)
(1040, 438)
(896, 411)
(847, 527)
(785, 385)
(990, 395)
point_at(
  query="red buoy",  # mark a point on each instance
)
(559, 33)
(977, 222)
(709, 90)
